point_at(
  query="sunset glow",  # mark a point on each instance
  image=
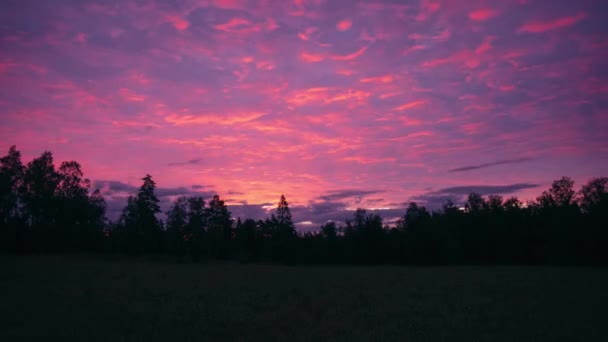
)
(336, 104)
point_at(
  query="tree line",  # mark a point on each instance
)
(48, 210)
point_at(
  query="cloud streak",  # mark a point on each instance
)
(187, 162)
(545, 26)
(483, 189)
(486, 165)
(343, 194)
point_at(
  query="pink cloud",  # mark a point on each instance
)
(344, 25)
(178, 22)
(275, 126)
(212, 119)
(482, 14)
(420, 134)
(138, 77)
(325, 95)
(436, 62)
(270, 24)
(485, 46)
(328, 119)
(301, 97)
(465, 57)
(413, 48)
(306, 35)
(378, 35)
(229, 4)
(134, 124)
(244, 26)
(311, 57)
(350, 95)
(5, 66)
(442, 35)
(368, 160)
(410, 122)
(129, 95)
(387, 95)
(427, 8)
(265, 65)
(300, 8)
(351, 56)
(473, 127)
(233, 25)
(344, 72)
(80, 38)
(410, 105)
(378, 79)
(545, 26)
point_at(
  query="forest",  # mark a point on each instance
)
(49, 210)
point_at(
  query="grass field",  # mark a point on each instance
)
(85, 298)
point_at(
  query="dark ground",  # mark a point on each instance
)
(84, 298)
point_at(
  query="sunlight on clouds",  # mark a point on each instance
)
(410, 105)
(344, 25)
(306, 35)
(179, 23)
(129, 95)
(378, 79)
(351, 56)
(482, 14)
(544, 26)
(212, 119)
(383, 93)
(244, 26)
(311, 57)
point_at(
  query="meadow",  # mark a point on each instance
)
(104, 298)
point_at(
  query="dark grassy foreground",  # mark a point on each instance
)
(83, 298)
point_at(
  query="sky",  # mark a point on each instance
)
(336, 104)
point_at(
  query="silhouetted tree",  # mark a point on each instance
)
(195, 232)
(177, 221)
(219, 228)
(286, 226)
(594, 196)
(415, 215)
(43, 209)
(366, 236)
(142, 230)
(556, 214)
(40, 185)
(96, 215)
(475, 203)
(283, 228)
(594, 203)
(421, 242)
(282, 232)
(80, 216)
(494, 204)
(11, 213)
(561, 194)
(329, 230)
(247, 239)
(512, 203)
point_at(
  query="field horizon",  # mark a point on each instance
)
(90, 297)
